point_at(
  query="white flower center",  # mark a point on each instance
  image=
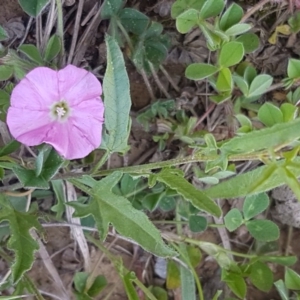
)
(60, 111)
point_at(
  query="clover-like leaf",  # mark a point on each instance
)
(233, 219)
(255, 204)
(33, 7)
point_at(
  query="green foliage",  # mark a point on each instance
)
(3, 34)
(48, 163)
(21, 241)
(117, 100)
(261, 276)
(292, 279)
(109, 208)
(53, 48)
(233, 219)
(188, 191)
(262, 230)
(294, 22)
(33, 7)
(85, 293)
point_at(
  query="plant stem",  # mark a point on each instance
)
(60, 29)
(100, 163)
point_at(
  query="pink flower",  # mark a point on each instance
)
(61, 108)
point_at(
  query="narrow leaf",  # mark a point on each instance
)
(239, 186)
(116, 99)
(189, 192)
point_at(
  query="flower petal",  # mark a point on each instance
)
(37, 91)
(75, 145)
(27, 126)
(77, 85)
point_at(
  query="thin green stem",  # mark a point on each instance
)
(100, 163)
(60, 29)
(125, 33)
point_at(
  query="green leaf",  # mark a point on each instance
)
(239, 186)
(187, 20)
(281, 260)
(236, 283)
(181, 6)
(259, 85)
(232, 16)
(116, 100)
(32, 52)
(80, 279)
(283, 292)
(111, 8)
(293, 68)
(241, 83)
(197, 223)
(21, 241)
(238, 29)
(269, 114)
(250, 42)
(53, 48)
(133, 20)
(289, 112)
(5, 72)
(108, 208)
(151, 201)
(3, 34)
(233, 219)
(51, 165)
(9, 148)
(98, 285)
(198, 71)
(188, 191)
(44, 151)
(263, 230)
(211, 8)
(159, 293)
(292, 279)
(224, 80)
(58, 189)
(261, 276)
(33, 7)
(231, 54)
(173, 275)
(266, 138)
(254, 205)
(294, 22)
(4, 98)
